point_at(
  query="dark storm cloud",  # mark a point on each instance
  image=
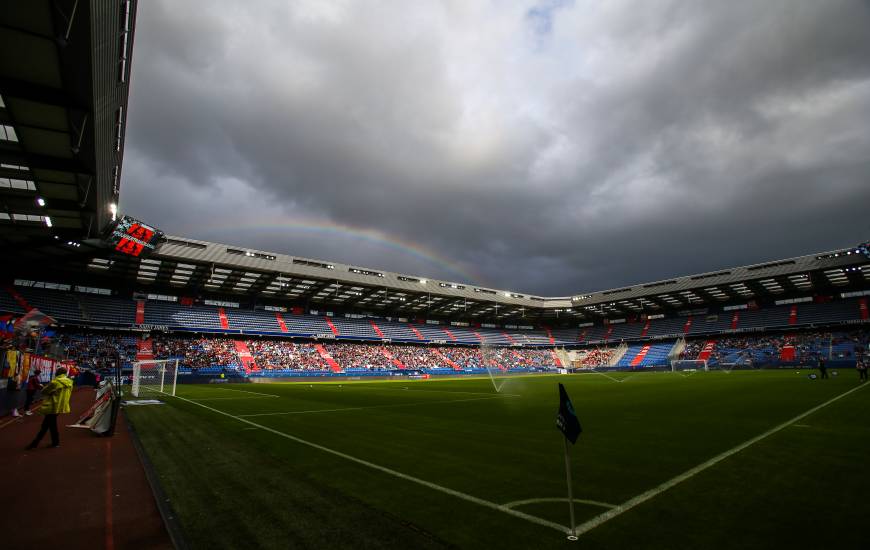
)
(551, 147)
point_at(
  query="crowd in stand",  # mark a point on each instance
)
(283, 354)
(96, 350)
(359, 356)
(768, 348)
(596, 357)
(196, 353)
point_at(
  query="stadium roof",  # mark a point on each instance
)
(189, 267)
(62, 118)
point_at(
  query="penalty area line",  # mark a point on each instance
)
(441, 489)
(688, 474)
(246, 391)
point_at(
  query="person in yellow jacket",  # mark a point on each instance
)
(55, 401)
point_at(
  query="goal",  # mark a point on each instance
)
(688, 365)
(154, 376)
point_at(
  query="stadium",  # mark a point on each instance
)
(252, 398)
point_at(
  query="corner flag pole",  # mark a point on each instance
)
(572, 535)
(569, 425)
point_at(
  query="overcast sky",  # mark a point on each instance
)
(548, 147)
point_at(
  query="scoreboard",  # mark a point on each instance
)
(132, 237)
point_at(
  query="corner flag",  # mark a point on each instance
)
(567, 420)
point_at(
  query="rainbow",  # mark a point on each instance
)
(332, 229)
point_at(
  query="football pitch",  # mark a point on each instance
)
(762, 459)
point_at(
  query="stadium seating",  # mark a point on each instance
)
(91, 309)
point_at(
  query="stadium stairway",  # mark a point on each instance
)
(509, 338)
(449, 334)
(862, 307)
(556, 359)
(447, 360)
(787, 353)
(645, 329)
(416, 332)
(707, 350)
(550, 336)
(331, 325)
(140, 312)
(378, 331)
(792, 315)
(245, 356)
(688, 326)
(392, 359)
(638, 359)
(735, 319)
(222, 314)
(281, 323)
(321, 351)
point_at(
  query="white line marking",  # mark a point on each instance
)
(400, 475)
(601, 374)
(416, 403)
(245, 391)
(643, 497)
(232, 398)
(557, 499)
(429, 391)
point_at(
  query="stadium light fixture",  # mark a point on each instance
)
(113, 208)
(48, 221)
(423, 281)
(40, 201)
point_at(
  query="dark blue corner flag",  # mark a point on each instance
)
(567, 420)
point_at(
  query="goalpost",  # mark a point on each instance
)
(154, 376)
(688, 365)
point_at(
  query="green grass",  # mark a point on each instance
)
(240, 484)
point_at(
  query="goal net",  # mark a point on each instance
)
(154, 376)
(688, 365)
(490, 357)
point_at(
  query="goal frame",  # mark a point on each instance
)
(701, 364)
(136, 386)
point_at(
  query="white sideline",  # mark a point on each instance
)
(400, 475)
(643, 497)
(415, 404)
(230, 398)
